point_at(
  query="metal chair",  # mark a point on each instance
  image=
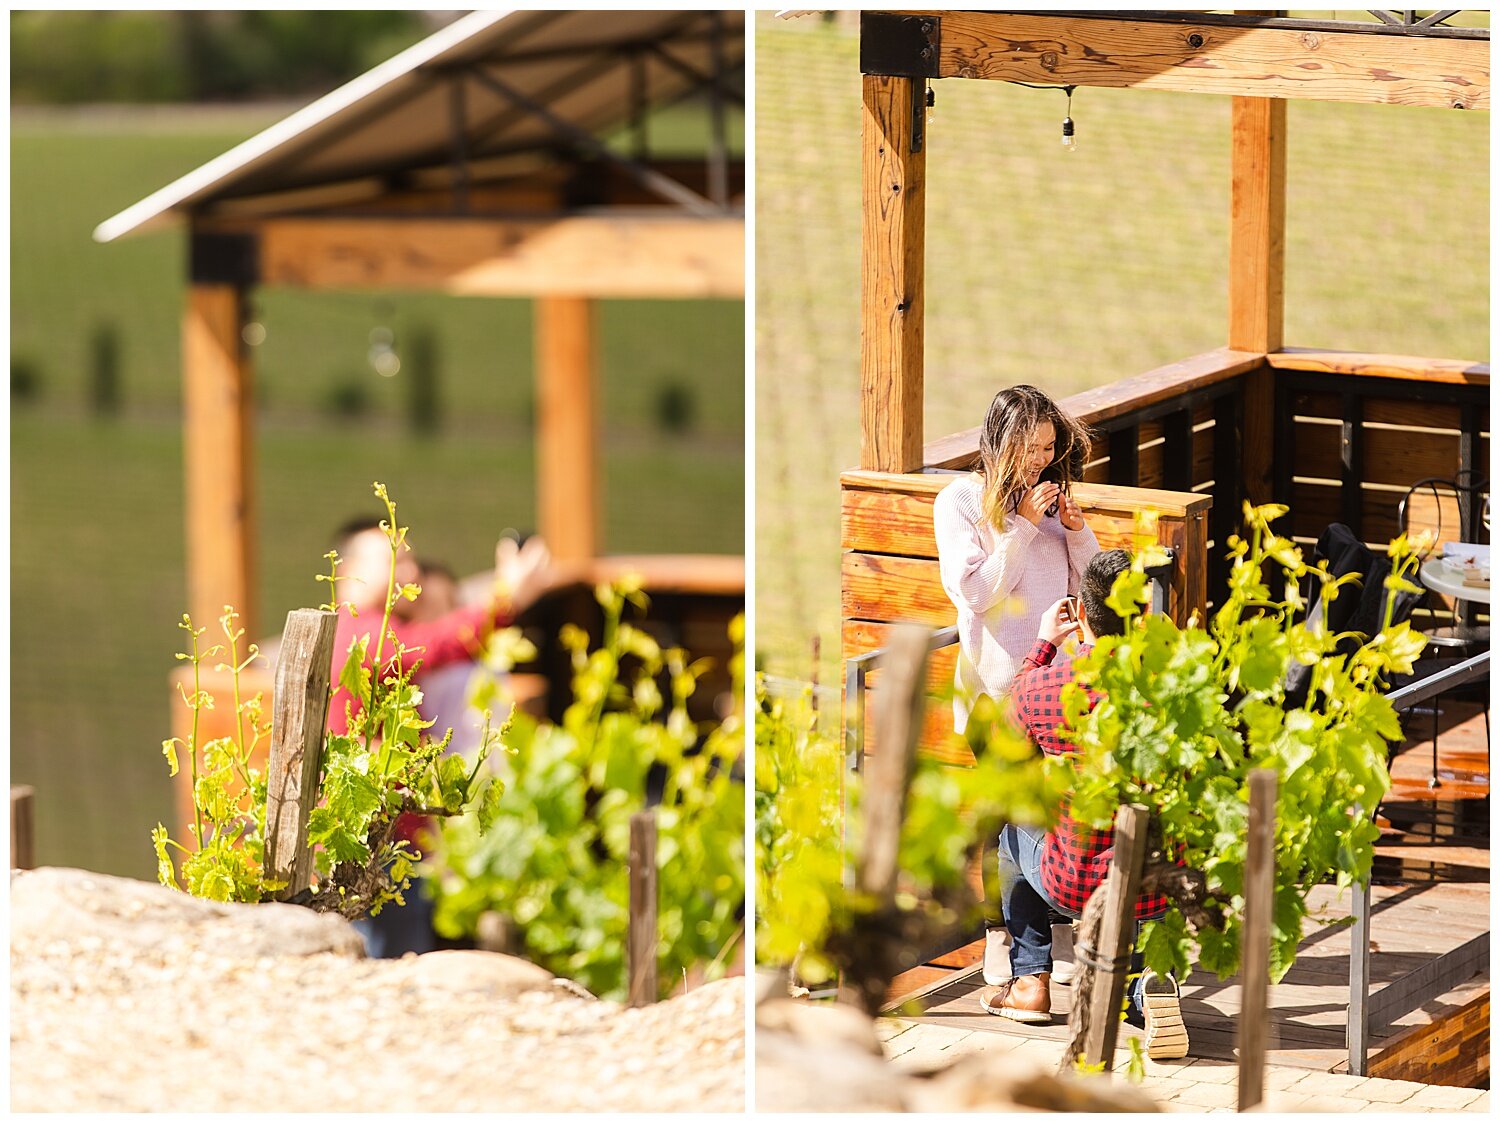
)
(1452, 510)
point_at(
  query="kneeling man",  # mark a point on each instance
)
(1061, 868)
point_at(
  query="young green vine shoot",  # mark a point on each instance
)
(385, 766)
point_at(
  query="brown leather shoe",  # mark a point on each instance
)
(1026, 998)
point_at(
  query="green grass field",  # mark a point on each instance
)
(1065, 270)
(97, 538)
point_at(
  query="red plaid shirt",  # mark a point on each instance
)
(1075, 858)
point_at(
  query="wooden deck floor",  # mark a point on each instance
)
(1430, 894)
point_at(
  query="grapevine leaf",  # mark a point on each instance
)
(1217, 953)
(165, 872)
(489, 804)
(453, 778)
(355, 676)
(352, 796)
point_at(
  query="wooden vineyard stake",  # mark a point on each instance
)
(1110, 933)
(1255, 947)
(898, 718)
(878, 942)
(298, 719)
(640, 938)
(22, 827)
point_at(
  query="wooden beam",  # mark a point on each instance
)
(598, 256)
(1323, 65)
(566, 440)
(217, 394)
(1459, 371)
(891, 302)
(510, 185)
(1093, 497)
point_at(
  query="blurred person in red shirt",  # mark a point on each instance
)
(522, 573)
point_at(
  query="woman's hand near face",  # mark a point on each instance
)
(1034, 502)
(1069, 513)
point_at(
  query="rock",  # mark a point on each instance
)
(470, 973)
(793, 1074)
(51, 905)
(1001, 1082)
(129, 997)
(828, 1057)
(819, 1023)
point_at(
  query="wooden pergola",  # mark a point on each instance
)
(1334, 435)
(1193, 438)
(473, 163)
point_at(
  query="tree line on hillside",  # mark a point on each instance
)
(74, 57)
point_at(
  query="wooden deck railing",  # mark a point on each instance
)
(1336, 436)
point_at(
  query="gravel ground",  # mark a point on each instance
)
(129, 997)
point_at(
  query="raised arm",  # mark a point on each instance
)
(973, 575)
(455, 637)
(1082, 545)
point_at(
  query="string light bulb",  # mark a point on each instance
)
(1068, 142)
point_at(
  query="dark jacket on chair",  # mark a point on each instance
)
(1360, 609)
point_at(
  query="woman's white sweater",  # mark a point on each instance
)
(1000, 582)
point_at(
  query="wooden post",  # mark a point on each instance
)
(1255, 946)
(641, 936)
(22, 827)
(891, 303)
(217, 397)
(1257, 253)
(1097, 1006)
(1357, 1032)
(298, 721)
(567, 457)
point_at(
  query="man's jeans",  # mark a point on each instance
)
(1026, 906)
(401, 928)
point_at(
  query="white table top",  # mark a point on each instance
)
(1439, 578)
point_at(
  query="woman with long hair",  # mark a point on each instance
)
(1012, 543)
